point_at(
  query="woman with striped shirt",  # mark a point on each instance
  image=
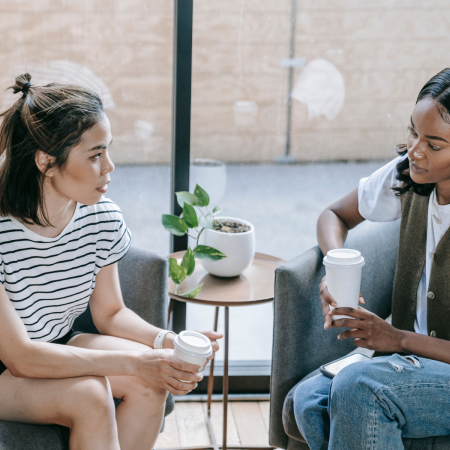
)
(60, 241)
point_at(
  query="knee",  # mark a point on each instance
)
(353, 385)
(92, 397)
(139, 389)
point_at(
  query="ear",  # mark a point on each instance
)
(43, 161)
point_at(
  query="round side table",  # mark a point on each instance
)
(254, 286)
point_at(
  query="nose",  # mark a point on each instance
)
(109, 166)
(415, 152)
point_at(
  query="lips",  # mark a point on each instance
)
(415, 168)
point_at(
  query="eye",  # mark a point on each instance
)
(436, 149)
(97, 156)
(411, 130)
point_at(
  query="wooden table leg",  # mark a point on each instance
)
(172, 301)
(211, 369)
(225, 381)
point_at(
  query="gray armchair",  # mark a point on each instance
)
(301, 344)
(143, 279)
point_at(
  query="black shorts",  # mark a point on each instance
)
(62, 341)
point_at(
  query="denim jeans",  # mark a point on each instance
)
(374, 404)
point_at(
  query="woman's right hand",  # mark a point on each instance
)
(162, 370)
(328, 301)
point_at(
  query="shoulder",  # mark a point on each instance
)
(104, 210)
(376, 199)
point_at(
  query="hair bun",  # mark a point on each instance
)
(22, 84)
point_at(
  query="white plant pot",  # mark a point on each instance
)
(239, 248)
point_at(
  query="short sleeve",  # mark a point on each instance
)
(121, 241)
(376, 200)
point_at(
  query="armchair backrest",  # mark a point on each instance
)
(143, 278)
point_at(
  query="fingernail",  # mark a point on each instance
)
(339, 337)
(196, 384)
(201, 376)
(334, 304)
(199, 369)
(325, 325)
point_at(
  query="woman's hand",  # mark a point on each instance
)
(327, 300)
(370, 331)
(162, 370)
(212, 336)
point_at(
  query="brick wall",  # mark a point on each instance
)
(385, 51)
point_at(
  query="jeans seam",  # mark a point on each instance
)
(370, 445)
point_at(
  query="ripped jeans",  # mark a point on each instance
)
(373, 405)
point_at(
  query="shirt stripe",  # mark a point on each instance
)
(49, 280)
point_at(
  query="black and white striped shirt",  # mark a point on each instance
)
(49, 280)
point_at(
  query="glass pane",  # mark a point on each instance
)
(123, 50)
(347, 79)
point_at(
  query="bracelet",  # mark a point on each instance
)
(159, 339)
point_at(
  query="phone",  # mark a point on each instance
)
(332, 368)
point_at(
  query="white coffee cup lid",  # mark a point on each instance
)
(193, 343)
(343, 257)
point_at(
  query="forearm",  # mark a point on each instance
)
(47, 360)
(331, 231)
(127, 324)
(426, 346)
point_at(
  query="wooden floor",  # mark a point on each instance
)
(248, 424)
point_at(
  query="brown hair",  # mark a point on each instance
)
(49, 118)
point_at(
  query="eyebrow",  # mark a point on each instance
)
(435, 138)
(100, 147)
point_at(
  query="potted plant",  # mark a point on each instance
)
(218, 239)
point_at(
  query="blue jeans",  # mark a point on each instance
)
(374, 404)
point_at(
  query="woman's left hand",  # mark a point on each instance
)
(370, 331)
(212, 336)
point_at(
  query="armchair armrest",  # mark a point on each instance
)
(300, 343)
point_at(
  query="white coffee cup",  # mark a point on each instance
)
(343, 267)
(192, 347)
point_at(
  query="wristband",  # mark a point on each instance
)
(159, 339)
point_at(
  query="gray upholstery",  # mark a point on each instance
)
(143, 279)
(301, 344)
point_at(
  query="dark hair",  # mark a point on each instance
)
(49, 118)
(437, 89)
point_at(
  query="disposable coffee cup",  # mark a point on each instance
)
(343, 267)
(193, 348)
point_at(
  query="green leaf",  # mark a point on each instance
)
(208, 253)
(217, 210)
(190, 216)
(177, 273)
(186, 197)
(203, 197)
(206, 222)
(193, 292)
(188, 262)
(174, 224)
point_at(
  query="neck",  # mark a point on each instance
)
(59, 212)
(443, 192)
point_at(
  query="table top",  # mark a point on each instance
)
(255, 285)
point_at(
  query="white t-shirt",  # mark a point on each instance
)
(378, 203)
(49, 280)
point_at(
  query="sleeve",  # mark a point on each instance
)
(120, 243)
(376, 200)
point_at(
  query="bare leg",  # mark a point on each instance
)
(139, 416)
(83, 404)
